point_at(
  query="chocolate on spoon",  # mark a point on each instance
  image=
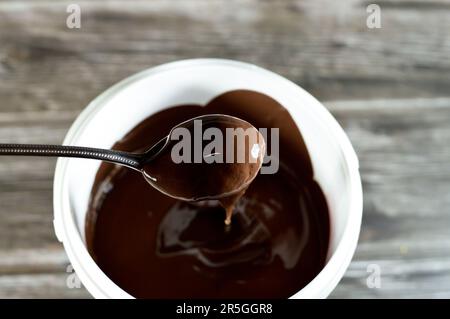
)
(178, 165)
(222, 169)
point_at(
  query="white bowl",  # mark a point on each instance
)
(111, 115)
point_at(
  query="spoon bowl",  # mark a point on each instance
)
(207, 157)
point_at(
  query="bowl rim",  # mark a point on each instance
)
(66, 229)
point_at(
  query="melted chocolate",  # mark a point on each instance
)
(154, 246)
(221, 167)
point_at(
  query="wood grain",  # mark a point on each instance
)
(404, 154)
(389, 88)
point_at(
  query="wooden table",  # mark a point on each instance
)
(389, 88)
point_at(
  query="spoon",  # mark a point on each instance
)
(178, 165)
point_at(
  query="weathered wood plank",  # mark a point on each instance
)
(404, 154)
(421, 278)
(38, 273)
(39, 286)
(322, 45)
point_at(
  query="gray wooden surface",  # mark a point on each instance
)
(389, 88)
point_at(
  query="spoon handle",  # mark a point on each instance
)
(118, 157)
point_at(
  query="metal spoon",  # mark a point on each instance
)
(185, 181)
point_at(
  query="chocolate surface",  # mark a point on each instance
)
(154, 246)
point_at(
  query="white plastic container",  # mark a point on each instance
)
(111, 115)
